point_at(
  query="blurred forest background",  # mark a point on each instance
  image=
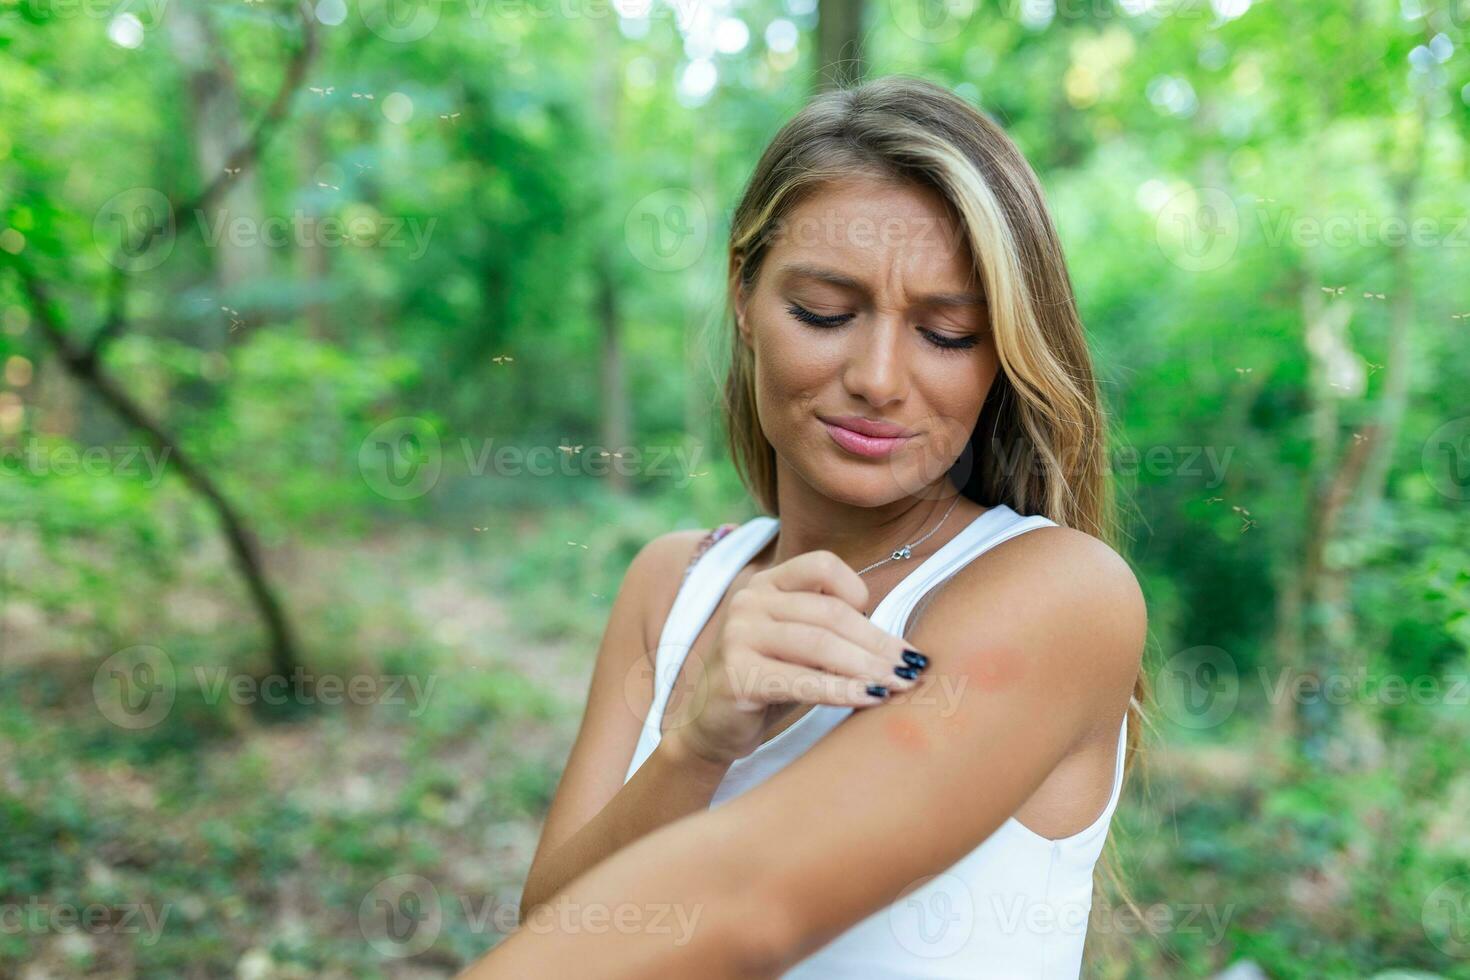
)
(351, 350)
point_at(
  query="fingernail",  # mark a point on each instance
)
(878, 690)
(915, 658)
(907, 673)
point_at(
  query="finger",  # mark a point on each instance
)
(817, 571)
(884, 648)
(764, 681)
(817, 647)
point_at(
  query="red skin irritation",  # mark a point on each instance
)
(990, 672)
(996, 669)
(906, 733)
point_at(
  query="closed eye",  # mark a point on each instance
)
(807, 316)
(942, 341)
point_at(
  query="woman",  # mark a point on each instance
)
(884, 735)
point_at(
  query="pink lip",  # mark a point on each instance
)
(871, 446)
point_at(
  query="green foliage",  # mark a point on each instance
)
(488, 179)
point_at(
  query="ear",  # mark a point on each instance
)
(737, 296)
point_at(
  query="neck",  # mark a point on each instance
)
(858, 535)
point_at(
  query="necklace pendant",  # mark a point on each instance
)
(901, 553)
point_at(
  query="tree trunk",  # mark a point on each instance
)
(616, 412)
(242, 545)
(218, 128)
(313, 267)
(840, 55)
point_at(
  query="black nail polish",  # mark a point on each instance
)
(915, 659)
(878, 690)
(907, 673)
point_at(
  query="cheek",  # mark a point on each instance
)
(954, 397)
(790, 366)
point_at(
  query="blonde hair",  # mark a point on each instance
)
(1040, 445)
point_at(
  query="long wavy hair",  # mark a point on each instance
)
(1041, 442)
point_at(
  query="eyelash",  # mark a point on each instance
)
(938, 340)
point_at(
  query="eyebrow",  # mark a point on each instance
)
(803, 270)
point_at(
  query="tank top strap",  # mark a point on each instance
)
(997, 525)
(705, 543)
(705, 582)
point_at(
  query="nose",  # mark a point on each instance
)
(876, 369)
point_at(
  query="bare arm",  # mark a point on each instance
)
(778, 872)
(793, 633)
(593, 813)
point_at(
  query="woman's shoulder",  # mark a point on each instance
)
(1080, 568)
(706, 542)
(662, 565)
(1056, 586)
(677, 551)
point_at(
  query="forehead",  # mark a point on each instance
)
(872, 228)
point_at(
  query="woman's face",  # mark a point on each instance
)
(866, 307)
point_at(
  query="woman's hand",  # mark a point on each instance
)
(795, 634)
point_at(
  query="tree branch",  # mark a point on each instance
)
(84, 367)
(244, 155)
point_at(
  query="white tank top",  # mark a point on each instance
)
(1014, 907)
